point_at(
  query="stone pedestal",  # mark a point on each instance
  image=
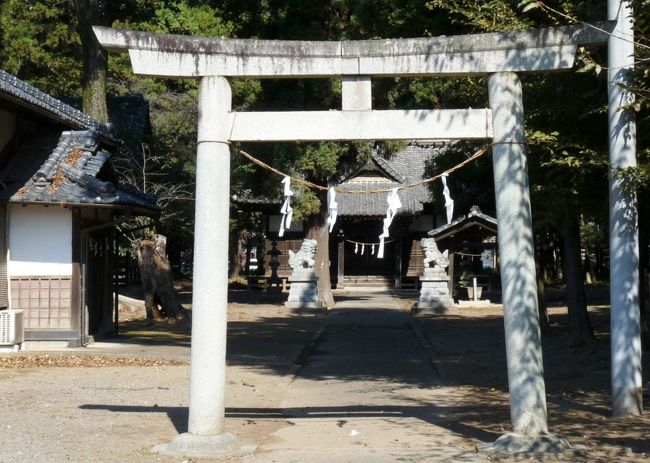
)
(303, 293)
(223, 445)
(529, 447)
(434, 293)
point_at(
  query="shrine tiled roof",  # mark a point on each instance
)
(28, 96)
(52, 165)
(70, 171)
(128, 117)
(405, 167)
(472, 218)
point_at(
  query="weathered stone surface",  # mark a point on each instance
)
(442, 124)
(518, 280)
(191, 445)
(434, 294)
(302, 261)
(518, 444)
(626, 309)
(303, 293)
(168, 55)
(356, 93)
(435, 262)
(210, 295)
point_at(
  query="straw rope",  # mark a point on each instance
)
(369, 244)
(315, 186)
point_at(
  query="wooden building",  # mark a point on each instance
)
(59, 198)
(471, 240)
(360, 222)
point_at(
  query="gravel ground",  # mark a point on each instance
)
(112, 401)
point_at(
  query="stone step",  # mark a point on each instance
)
(371, 282)
(368, 277)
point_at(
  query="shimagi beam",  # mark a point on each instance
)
(168, 55)
(456, 124)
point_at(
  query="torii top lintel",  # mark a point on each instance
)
(167, 55)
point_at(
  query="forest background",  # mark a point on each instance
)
(47, 43)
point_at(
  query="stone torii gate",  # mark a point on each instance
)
(215, 61)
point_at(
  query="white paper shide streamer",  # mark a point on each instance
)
(394, 203)
(332, 208)
(287, 210)
(449, 203)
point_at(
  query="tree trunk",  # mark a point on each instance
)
(236, 239)
(318, 230)
(581, 331)
(95, 59)
(155, 273)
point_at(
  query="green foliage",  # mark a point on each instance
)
(176, 17)
(306, 203)
(565, 113)
(40, 43)
(488, 16)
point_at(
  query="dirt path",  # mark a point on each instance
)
(110, 408)
(364, 394)
(367, 392)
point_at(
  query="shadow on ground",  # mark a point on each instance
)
(469, 351)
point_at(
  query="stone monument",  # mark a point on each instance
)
(434, 290)
(303, 293)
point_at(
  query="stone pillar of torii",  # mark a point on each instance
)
(501, 56)
(627, 394)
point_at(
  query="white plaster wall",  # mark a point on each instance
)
(39, 241)
(7, 127)
(275, 220)
(422, 223)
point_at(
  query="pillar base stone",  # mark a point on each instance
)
(190, 445)
(518, 444)
(627, 402)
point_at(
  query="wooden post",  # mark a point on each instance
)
(398, 263)
(451, 274)
(341, 263)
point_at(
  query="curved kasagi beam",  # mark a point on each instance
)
(168, 55)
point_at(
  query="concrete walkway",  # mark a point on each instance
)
(366, 393)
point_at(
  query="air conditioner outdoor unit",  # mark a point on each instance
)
(11, 328)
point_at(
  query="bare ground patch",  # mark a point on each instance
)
(469, 345)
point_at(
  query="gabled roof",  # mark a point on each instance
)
(379, 167)
(67, 173)
(52, 166)
(26, 95)
(474, 218)
(128, 116)
(403, 168)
